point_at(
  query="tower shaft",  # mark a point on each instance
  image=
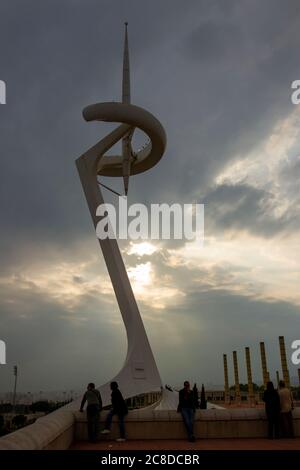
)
(126, 70)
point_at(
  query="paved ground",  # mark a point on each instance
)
(201, 444)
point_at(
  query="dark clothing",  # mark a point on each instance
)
(119, 408)
(118, 403)
(121, 423)
(272, 402)
(188, 419)
(186, 407)
(186, 400)
(93, 415)
(272, 407)
(94, 407)
(273, 426)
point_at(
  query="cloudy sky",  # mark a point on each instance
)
(218, 76)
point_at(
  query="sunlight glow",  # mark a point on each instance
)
(141, 249)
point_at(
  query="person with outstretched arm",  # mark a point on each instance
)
(93, 410)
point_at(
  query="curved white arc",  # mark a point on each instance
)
(135, 117)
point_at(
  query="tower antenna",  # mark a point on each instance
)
(126, 141)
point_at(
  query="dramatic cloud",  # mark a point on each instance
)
(218, 77)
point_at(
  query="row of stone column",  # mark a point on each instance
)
(265, 372)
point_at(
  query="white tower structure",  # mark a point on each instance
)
(139, 373)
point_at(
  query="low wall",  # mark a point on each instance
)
(209, 424)
(59, 429)
(53, 431)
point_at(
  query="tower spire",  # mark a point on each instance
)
(126, 141)
(126, 71)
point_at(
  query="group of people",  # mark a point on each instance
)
(94, 407)
(188, 402)
(279, 406)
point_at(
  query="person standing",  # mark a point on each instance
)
(286, 407)
(93, 410)
(272, 407)
(119, 408)
(186, 407)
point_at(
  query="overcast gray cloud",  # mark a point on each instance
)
(218, 77)
(243, 207)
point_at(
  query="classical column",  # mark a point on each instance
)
(285, 371)
(236, 378)
(277, 378)
(249, 376)
(226, 383)
(263, 363)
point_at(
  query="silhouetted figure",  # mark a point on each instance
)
(94, 407)
(286, 407)
(119, 408)
(203, 402)
(196, 396)
(186, 407)
(272, 407)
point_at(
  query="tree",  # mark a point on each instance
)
(43, 406)
(203, 402)
(19, 421)
(244, 387)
